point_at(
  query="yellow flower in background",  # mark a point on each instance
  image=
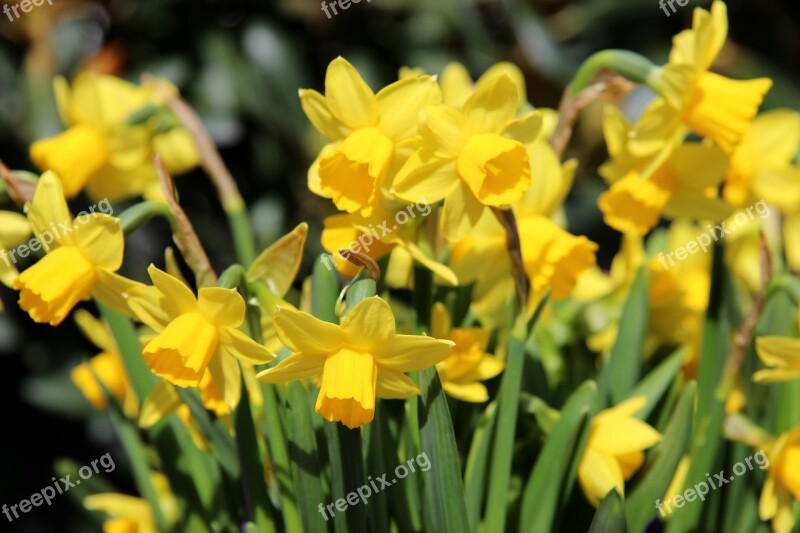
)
(82, 258)
(709, 104)
(761, 165)
(357, 362)
(107, 366)
(471, 158)
(781, 355)
(196, 335)
(14, 230)
(681, 182)
(782, 486)
(103, 153)
(469, 363)
(615, 449)
(372, 134)
(457, 85)
(130, 514)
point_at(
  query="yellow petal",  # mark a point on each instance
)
(369, 323)
(110, 291)
(315, 106)
(108, 368)
(442, 131)
(236, 344)
(227, 378)
(177, 150)
(395, 385)
(162, 401)
(401, 102)
(48, 212)
(598, 473)
(95, 330)
(53, 286)
(178, 298)
(302, 332)
(633, 205)
(425, 176)
(14, 229)
(440, 321)
(525, 129)
(348, 388)
(349, 98)
(510, 70)
(466, 392)
(493, 104)
(150, 306)
(456, 84)
(407, 353)
(298, 366)
(277, 266)
(100, 238)
(461, 212)
(222, 307)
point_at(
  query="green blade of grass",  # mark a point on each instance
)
(610, 515)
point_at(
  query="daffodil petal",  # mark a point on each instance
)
(493, 104)
(100, 238)
(48, 212)
(400, 102)
(395, 385)
(315, 106)
(235, 343)
(369, 323)
(111, 288)
(598, 473)
(349, 97)
(302, 332)
(407, 353)
(227, 377)
(179, 296)
(297, 366)
(224, 307)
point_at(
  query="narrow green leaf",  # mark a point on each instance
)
(658, 381)
(540, 498)
(124, 333)
(621, 371)
(610, 515)
(478, 463)
(347, 474)
(662, 463)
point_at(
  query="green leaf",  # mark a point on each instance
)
(127, 341)
(610, 515)
(621, 371)
(477, 464)
(540, 499)
(662, 463)
(305, 461)
(658, 381)
(347, 474)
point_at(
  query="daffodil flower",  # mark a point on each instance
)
(196, 334)
(100, 151)
(682, 182)
(129, 514)
(359, 360)
(711, 105)
(82, 258)
(615, 449)
(372, 133)
(782, 355)
(472, 158)
(469, 364)
(782, 486)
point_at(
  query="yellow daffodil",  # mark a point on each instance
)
(356, 362)
(682, 182)
(782, 486)
(130, 514)
(615, 449)
(711, 105)
(372, 134)
(82, 258)
(100, 151)
(469, 364)
(107, 366)
(471, 158)
(14, 229)
(196, 335)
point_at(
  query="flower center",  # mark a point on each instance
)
(495, 169)
(52, 287)
(352, 174)
(182, 351)
(75, 156)
(347, 393)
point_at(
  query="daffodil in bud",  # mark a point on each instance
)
(101, 150)
(473, 157)
(469, 364)
(371, 133)
(82, 258)
(355, 362)
(195, 334)
(615, 449)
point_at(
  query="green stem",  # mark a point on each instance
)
(243, 237)
(629, 65)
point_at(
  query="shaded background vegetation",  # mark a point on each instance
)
(240, 64)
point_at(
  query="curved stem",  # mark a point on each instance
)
(509, 222)
(629, 65)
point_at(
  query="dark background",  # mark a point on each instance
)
(240, 64)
